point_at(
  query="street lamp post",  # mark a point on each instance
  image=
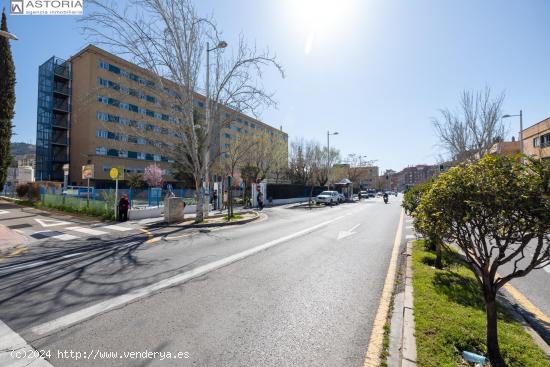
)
(520, 136)
(221, 44)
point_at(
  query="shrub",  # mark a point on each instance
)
(22, 190)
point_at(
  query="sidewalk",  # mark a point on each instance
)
(9, 239)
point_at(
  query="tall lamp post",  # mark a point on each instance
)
(221, 44)
(520, 136)
(328, 156)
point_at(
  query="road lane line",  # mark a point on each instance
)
(101, 307)
(93, 232)
(376, 341)
(11, 341)
(526, 304)
(65, 237)
(547, 268)
(117, 228)
(410, 237)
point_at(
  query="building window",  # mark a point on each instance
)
(140, 155)
(101, 151)
(123, 154)
(102, 134)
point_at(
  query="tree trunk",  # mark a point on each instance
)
(438, 254)
(492, 337)
(199, 198)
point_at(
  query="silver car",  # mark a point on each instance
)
(327, 197)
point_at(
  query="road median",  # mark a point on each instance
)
(450, 316)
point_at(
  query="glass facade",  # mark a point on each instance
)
(53, 119)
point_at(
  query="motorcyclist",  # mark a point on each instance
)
(385, 197)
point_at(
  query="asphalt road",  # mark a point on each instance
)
(297, 288)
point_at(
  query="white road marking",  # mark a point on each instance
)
(4, 212)
(50, 222)
(118, 301)
(409, 221)
(409, 227)
(65, 237)
(344, 234)
(117, 228)
(17, 267)
(11, 341)
(547, 268)
(93, 232)
(72, 255)
(410, 237)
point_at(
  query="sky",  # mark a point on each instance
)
(375, 71)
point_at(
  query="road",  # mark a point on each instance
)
(297, 288)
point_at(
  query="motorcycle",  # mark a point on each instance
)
(385, 199)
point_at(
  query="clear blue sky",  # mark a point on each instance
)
(375, 71)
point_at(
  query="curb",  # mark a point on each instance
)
(408, 348)
(206, 225)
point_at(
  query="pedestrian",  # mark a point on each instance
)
(260, 198)
(123, 206)
(215, 200)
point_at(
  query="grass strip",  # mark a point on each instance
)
(450, 316)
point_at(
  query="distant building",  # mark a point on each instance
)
(415, 175)
(536, 139)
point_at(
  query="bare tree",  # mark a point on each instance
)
(168, 38)
(473, 130)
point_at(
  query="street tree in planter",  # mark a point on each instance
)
(422, 221)
(498, 212)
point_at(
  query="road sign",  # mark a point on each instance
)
(117, 173)
(87, 171)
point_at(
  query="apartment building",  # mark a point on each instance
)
(97, 108)
(536, 139)
(413, 175)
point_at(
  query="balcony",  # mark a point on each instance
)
(62, 70)
(62, 106)
(60, 141)
(60, 122)
(62, 88)
(60, 158)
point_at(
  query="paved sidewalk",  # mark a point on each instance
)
(9, 238)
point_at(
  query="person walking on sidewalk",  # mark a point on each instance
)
(260, 199)
(215, 200)
(123, 206)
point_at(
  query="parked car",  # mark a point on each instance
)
(364, 195)
(372, 193)
(328, 197)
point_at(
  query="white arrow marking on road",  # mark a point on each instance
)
(409, 227)
(4, 212)
(344, 234)
(547, 268)
(50, 222)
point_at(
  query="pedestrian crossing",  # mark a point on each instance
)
(77, 232)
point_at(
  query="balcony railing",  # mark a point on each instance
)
(60, 158)
(60, 122)
(62, 89)
(62, 71)
(61, 106)
(60, 141)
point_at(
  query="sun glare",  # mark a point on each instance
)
(316, 18)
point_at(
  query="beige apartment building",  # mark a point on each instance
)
(97, 108)
(536, 139)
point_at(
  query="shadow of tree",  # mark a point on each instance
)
(62, 277)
